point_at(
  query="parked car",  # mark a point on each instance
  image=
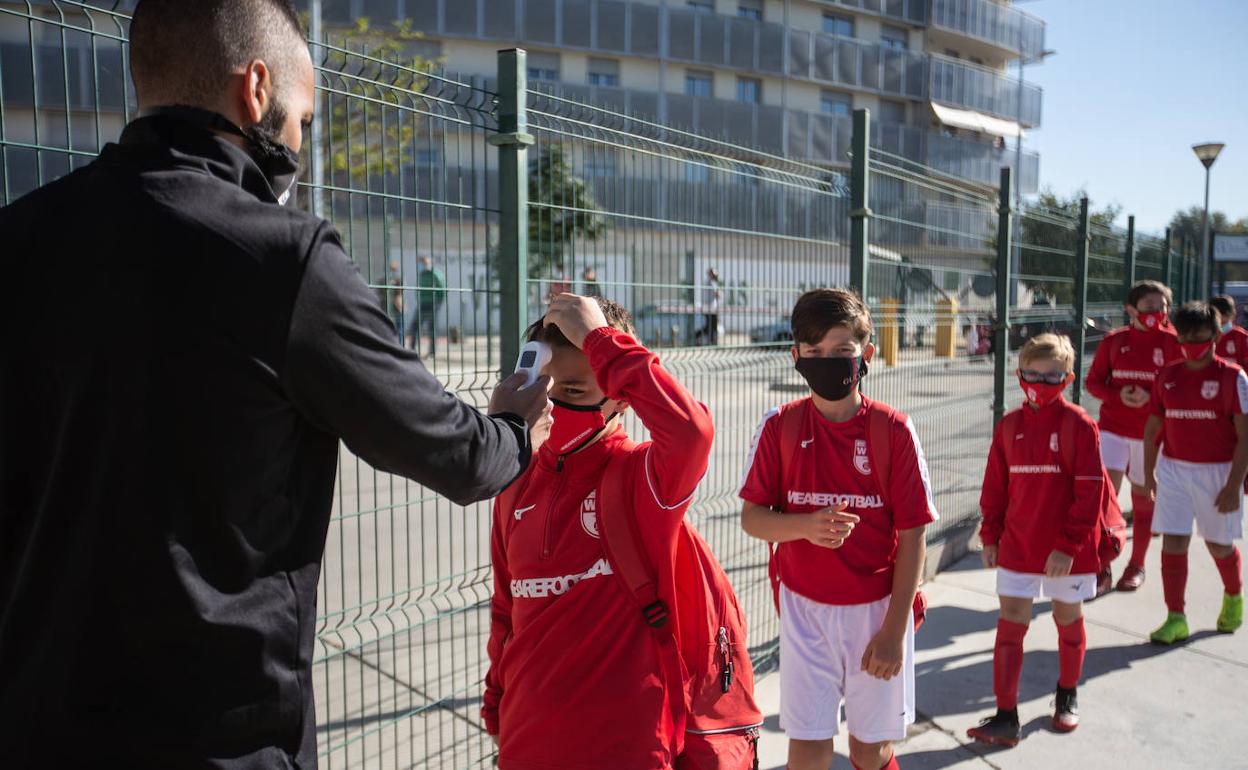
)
(780, 331)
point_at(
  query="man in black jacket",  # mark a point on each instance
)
(165, 490)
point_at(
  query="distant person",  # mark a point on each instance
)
(590, 277)
(165, 492)
(393, 298)
(711, 296)
(430, 297)
(1232, 340)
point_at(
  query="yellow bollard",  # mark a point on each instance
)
(888, 335)
(947, 328)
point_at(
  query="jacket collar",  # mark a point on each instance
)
(588, 461)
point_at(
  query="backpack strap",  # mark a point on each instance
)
(621, 540)
(1009, 429)
(880, 419)
(791, 419)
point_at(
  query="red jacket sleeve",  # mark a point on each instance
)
(994, 497)
(680, 427)
(1101, 372)
(500, 624)
(1085, 511)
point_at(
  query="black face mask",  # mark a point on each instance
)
(832, 378)
(278, 163)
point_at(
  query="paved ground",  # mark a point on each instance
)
(1143, 706)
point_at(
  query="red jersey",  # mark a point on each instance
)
(1128, 356)
(1233, 346)
(575, 679)
(831, 466)
(1197, 407)
(1031, 504)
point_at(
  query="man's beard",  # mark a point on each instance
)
(268, 132)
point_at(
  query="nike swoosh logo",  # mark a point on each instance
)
(521, 511)
(1018, 436)
(807, 442)
(1169, 385)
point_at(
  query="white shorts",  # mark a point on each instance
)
(1124, 455)
(1071, 589)
(1186, 492)
(821, 647)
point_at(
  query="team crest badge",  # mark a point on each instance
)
(1230, 348)
(1053, 442)
(861, 460)
(1209, 389)
(589, 514)
(1159, 358)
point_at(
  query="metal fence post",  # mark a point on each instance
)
(512, 141)
(1167, 258)
(1001, 332)
(1128, 273)
(860, 212)
(1081, 299)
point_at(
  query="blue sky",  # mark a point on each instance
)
(1133, 85)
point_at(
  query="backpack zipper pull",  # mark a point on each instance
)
(725, 679)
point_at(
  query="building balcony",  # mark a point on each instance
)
(1001, 26)
(959, 84)
(981, 161)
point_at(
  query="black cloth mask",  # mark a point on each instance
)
(832, 378)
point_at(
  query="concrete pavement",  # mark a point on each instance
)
(1142, 706)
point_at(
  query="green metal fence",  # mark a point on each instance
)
(514, 194)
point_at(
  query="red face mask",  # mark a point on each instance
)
(575, 425)
(1195, 351)
(1041, 393)
(1153, 321)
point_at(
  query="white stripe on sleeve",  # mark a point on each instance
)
(758, 435)
(923, 473)
(1241, 389)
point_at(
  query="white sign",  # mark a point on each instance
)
(1230, 248)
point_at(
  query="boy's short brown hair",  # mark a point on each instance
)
(617, 318)
(1050, 346)
(1143, 288)
(1193, 317)
(1225, 305)
(819, 310)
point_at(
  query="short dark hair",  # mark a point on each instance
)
(1193, 317)
(819, 310)
(617, 318)
(183, 51)
(1224, 304)
(1143, 288)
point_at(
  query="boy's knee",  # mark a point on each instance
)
(1219, 551)
(869, 756)
(1174, 543)
(1065, 613)
(815, 755)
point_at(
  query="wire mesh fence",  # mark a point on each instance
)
(708, 243)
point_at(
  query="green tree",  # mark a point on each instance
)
(1049, 230)
(1186, 226)
(562, 209)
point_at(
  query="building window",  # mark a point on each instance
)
(749, 90)
(702, 6)
(836, 103)
(894, 38)
(750, 9)
(604, 72)
(892, 112)
(698, 83)
(544, 66)
(838, 24)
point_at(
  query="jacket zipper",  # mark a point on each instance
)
(550, 510)
(725, 653)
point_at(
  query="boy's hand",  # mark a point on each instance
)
(828, 528)
(1150, 487)
(989, 556)
(884, 656)
(575, 316)
(1228, 499)
(1134, 396)
(532, 404)
(1058, 564)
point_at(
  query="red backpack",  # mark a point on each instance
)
(880, 421)
(702, 638)
(1113, 536)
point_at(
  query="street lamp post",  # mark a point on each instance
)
(1207, 153)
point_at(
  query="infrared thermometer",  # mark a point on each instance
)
(533, 358)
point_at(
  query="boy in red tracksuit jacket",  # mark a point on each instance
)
(1200, 405)
(1041, 529)
(575, 680)
(1233, 340)
(850, 551)
(1122, 374)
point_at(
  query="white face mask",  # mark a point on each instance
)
(1226, 327)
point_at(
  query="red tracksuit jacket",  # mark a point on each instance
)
(1128, 356)
(1031, 506)
(1233, 346)
(575, 679)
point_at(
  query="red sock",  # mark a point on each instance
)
(1141, 528)
(1007, 662)
(1174, 579)
(1230, 570)
(892, 764)
(1072, 643)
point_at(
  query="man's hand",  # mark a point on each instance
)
(1228, 499)
(1058, 564)
(884, 656)
(989, 556)
(575, 316)
(827, 528)
(1150, 486)
(532, 404)
(1134, 396)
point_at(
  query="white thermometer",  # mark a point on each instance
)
(533, 358)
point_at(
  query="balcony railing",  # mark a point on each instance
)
(960, 84)
(1000, 25)
(981, 161)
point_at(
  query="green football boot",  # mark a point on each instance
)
(1173, 630)
(1232, 615)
